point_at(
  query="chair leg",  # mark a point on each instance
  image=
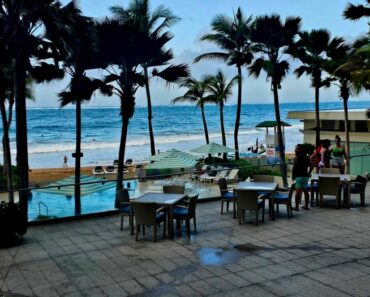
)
(195, 224)
(222, 206)
(263, 214)
(240, 217)
(288, 211)
(164, 228)
(188, 227)
(362, 197)
(155, 232)
(178, 224)
(137, 232)
(144, 230)
(227, 206)
(121, 222)
(257, 211)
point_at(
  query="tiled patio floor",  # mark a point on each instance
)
(321, 252)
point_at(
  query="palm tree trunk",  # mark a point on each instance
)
(223, 134)
(21, 136)
(121, 155)
(346, 129)
(280, 136)
(238, 113)
(78, 159)
(6, 151)
(204, 123)
(150, 115)
(317, 115)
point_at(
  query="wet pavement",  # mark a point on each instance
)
(321, 252)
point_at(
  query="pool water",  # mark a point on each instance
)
(61, 206)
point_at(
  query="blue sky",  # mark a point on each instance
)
(196, 15)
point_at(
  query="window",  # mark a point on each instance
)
(360, 126)
(328, 125)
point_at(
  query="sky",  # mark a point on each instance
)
(196, 16)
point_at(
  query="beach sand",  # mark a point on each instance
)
(45, 176)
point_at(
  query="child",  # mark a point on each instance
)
(301, 168)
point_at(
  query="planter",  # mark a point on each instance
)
(11, 224)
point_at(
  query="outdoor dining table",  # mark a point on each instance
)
(165, 200)
(345, 180)
(266, 187)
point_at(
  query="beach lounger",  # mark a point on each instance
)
(98, 170)
(110, 170)
(233, 176)
(222, 174)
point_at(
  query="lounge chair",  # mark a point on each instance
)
(222, 174)
(115, 163)
(233, 176)
(110, 170)
(98, 170)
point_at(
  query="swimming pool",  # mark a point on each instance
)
(61, 206)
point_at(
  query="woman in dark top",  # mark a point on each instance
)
(301, 168)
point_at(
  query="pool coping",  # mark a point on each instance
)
(94, 215)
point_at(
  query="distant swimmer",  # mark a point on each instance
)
(65, 163)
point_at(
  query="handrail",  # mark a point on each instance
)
(47, 209)
(126, 179)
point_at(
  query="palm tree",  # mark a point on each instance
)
(355, 12)
(219, 91)
(272, 37)
(312, 49)
(126, 48)
(153, 24)
(26, 23)
(343, 79)
(196, 93)
(232, 35)
(78, 60)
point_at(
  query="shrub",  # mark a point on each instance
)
(246, 169)
(3, 186)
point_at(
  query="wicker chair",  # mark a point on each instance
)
(226, 196)
(249, 200)
(263, 178)
(186, 213)
(174, 189)
(284, 198)
(123, 198)
(147, 214)
(329, 186)
(330, 170)
(359, 186)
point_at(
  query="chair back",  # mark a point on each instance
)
(223, 173)
(145, 213)
(329, 185)
(291, 192)
(222, 184)
(123, 196)
(247, 199)
(233, 175)
(330, 170)
(263, 178)
(174, 189)
(192, 206)
(279, 181)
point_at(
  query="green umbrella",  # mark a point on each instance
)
(173, 162)
(95, 184)
(172, 153)
(212, 148)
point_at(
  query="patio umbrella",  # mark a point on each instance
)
(173, 162)
(212, 148)
(95, 184)
(171, 153)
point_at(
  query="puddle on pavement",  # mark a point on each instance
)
(221, 256)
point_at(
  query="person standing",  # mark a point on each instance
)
(301, 168)
(325, 154)
(339, 156)
(65, 163)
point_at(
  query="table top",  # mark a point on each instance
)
(160, 198)
(257, 186)
(343, 177)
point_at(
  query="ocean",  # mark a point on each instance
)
(51, 131)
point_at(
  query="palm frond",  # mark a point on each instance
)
(212, 56)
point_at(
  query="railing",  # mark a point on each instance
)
(47, 209)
